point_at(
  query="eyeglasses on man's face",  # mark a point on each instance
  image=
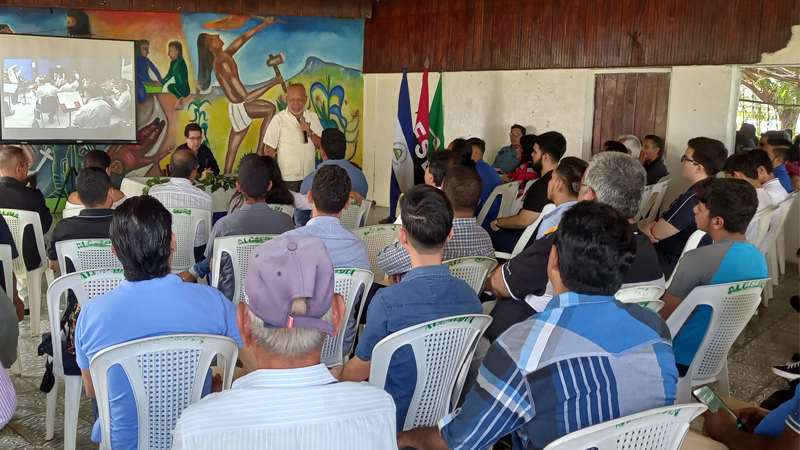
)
(685, 158)
(515, 134)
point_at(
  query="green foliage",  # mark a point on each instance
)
(211, 181)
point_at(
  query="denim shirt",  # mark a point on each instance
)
(426, 293)
(506, 159)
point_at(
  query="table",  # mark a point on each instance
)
(133, 186)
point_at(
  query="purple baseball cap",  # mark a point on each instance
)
(286, 268)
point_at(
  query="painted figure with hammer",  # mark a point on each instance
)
(295, 134)
(243, 106)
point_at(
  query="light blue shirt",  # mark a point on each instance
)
(141, 309)
(553, 218)
(345, 248)
(357, 180)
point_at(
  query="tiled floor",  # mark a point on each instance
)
(770, 338)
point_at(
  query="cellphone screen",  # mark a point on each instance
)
(707, 397)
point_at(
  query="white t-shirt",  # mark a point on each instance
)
(295, 158)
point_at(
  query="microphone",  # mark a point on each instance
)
(305, 135)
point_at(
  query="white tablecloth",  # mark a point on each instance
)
(133, 186)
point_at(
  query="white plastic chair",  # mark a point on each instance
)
(733, 304)
(352, 216)
(647, 296)
(72, 212)
(520, 200)
(508, 193)
(376, 239)
(691, 244)
(8, 269)
(167, 374)
(348, 283)
(238, 249)
(646, 193)
(443, 349)
(86, 254)
(776, 238)
(650, 212)
(85, 285)
(763, 219)
(184, 226)
(656, 429)
(780, 246)
(473, 270)
(17, 221)
(526, 235)
(287, 209)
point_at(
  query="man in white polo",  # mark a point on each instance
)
(291, 401)
(295, 134)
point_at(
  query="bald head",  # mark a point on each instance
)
(183, 164)
(296, 98)
(13, 163)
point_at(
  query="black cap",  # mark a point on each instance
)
(254, 177)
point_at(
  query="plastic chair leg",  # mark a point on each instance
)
(16, 368)
(50, 411)
(724, 386)
(49, 275)
(72, 403)
(35, 300)
(773, 268)
(780, 247)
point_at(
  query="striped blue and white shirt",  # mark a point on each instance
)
(583, 360)
(304, 408)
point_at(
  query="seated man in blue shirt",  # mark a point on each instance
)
(332, 148)
(427, 292)
(149, 302)
(506, 160)
(725, 207)
(704, 158)
(780, 152)
(490, 178)
(587, 358)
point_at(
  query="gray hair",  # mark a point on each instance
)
(618, 181)
(292, 342)
(632, 143)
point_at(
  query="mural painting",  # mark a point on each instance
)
(227, 73)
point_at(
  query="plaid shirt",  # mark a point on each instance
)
(583, 360)
(468, 240)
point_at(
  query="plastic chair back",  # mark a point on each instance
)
(647, 296)
(8, 269)
(443, 350)
(352, 216)
(691, 244)
(348, 282)
(520, 200)
(763, 218)
(646, 194)
(72, 212)
(473, 270)
(167, 374)
(287, 209)
(650, 212)
(184, 226)
(656, 429)
(526, 235)
(238, 249)
(376, 239)
(86, 254)
(733, 305)
(508, 194)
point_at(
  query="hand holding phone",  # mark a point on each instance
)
(707, 397)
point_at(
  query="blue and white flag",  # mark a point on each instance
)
(404, 145)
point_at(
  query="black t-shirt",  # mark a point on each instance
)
(681, 216)
(205, 159)
(656, 170)
(89, 224)
(536, 198)
(6, 238)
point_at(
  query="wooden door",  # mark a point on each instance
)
(629, 103)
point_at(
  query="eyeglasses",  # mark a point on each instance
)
(576, 186)
(195, 138)
(685, 158)
(515, 134)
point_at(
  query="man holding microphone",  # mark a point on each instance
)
(295, 134)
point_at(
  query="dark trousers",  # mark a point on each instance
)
(505, 239)
(294, 185)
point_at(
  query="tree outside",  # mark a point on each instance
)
(770, 98)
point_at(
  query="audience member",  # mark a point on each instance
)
(766, 176)
(427, 292)
(333, 148)
(723, 210)
(8, 397)
(93, 222)
(179, 192)
(522, 386)
(6, 238)
(254, 217)
(95, 112)
(149, 302)
(547, 151)
(748, 136)
(279, 193)
(101, 160)
(612, 179)
(704, 158)
(562, 191)
(10, 317)
(439, 162)
(14, 194)
(742, 167)
(524, 172)
(614, 146)
(489, 176)
(780, 152)
(206, 163)
(653, 149)
(290, 400)
(773, 134)
(631, 143)
(507, 158)
(462, 186)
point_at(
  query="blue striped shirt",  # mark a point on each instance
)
(583, 360)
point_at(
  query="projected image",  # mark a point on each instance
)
(83, 94)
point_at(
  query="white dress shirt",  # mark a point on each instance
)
(775, 190)
(303, 408)
(123, 101)
(95, 113)
(181, 193)
(295, 158)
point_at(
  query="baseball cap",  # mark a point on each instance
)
(286, 268)
(254, 177)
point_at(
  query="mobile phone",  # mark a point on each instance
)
(707, 397)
